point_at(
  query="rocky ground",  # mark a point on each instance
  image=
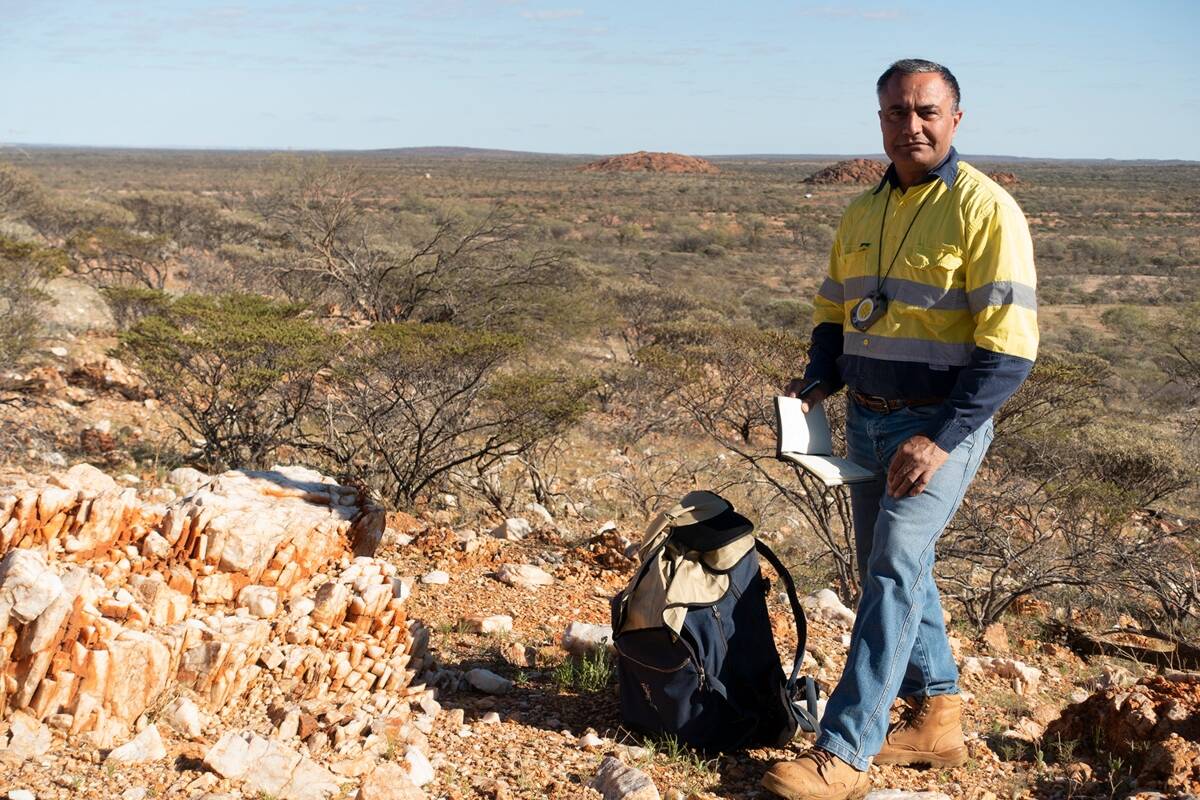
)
(495, 707)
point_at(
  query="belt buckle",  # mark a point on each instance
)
(880, 405)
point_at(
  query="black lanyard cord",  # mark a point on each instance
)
(879, 258)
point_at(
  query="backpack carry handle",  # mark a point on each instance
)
(808, 715)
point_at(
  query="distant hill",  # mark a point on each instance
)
(642, 161)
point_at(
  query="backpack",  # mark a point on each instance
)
(696, 657)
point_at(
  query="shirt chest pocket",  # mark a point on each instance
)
(937, 265)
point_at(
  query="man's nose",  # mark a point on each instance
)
(912, 123)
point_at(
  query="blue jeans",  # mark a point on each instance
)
(898, 646)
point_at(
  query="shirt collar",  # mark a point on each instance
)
(947, 171)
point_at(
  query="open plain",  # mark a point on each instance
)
(493, 368)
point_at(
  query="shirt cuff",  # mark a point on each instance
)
(950, 433)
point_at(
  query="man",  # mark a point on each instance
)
(928, 317)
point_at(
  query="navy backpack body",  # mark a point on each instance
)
(696, 657)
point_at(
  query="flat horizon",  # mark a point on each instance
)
(464, 151)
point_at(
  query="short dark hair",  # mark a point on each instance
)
(914, 66)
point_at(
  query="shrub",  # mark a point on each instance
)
(240, 370)
(24, 270)
(117, 257)
(410, 402)
(131, 304)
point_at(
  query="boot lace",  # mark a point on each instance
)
(912, 715)
(821, 758)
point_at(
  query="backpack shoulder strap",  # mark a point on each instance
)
(802, 702)
(797, 610)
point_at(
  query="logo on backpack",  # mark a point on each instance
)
(696, 657)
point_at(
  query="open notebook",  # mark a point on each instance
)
(805, 439)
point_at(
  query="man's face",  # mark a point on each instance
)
(918, 119)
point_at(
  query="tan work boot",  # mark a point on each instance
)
(816, 775)
(929, 732)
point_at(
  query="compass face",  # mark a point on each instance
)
(867, 310)
(864, 309)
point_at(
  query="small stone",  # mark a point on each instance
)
(26, 738)
(135, 793)
(513, 529)
(615, 781)
(525, 576)
(1079, 772)
(590, 741)
(183, 716)
(21, 794)
(498, 623)
(518, 655)
(825, 605)
(633, 752)
(901, 794)
(490, 718)
(389, 781)
(581, 638)
(488, 681)
(436, 578)
(420, 771)
(260, 601)
(995, 636)
(145, 747)
(541, 512)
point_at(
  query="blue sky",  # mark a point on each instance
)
(1051, 79)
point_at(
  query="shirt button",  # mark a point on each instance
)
(865, 341)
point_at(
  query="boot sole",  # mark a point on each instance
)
(949, 758)
(771, 784)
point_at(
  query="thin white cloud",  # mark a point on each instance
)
(553, 14)
(854, 13)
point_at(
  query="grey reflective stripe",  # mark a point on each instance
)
(1003, 293)
(831, 290)
(921, 351)
(920, 295)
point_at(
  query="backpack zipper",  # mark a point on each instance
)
(676, 668)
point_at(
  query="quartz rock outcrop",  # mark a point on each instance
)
(109, 601)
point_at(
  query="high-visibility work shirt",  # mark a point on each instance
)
(961, 314)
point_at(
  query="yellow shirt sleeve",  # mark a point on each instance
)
(1001, 281)
(828, 305)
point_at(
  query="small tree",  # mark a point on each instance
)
(412, 402)
(117, 257)
(463, 270)
(240, 371)
(24, 270)
(1053, 507)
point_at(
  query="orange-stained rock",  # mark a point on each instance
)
(643, 161)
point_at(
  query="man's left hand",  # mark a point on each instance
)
(913, 466)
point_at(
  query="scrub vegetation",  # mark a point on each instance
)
(515, 330)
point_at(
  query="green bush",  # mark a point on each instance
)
(240, 370)
(131, 304)
(411, 402)
(24, 270)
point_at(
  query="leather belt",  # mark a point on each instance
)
(882, 405)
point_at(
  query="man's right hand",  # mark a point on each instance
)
(812, 399)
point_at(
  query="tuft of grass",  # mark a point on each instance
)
(697, 769)
(594, 672)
